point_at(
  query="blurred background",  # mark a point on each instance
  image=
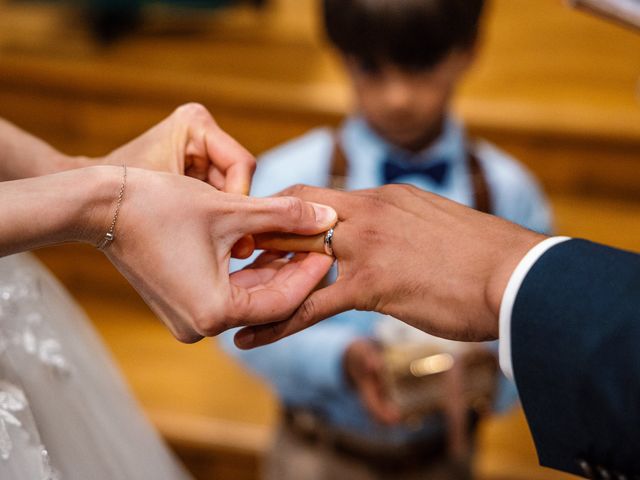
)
(556, 88)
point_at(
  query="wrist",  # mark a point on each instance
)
(511, 256)
(99, 197)
(46, 210)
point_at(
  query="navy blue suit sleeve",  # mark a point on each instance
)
(575, 337)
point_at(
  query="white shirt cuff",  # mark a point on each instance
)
(509, 299)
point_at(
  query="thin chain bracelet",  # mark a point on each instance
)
(110, 235)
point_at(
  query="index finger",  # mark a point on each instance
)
(325, 196)
(230, 158)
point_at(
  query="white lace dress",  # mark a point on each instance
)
(65, 413)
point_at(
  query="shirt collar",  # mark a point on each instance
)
(449, 146)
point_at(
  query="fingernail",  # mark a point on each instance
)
(245, 339)
(326, 216)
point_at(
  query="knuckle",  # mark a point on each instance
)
(307, 312)
(387, 189)
(191, 109)
(294, 208)
(380, 196)
(378, 202)
(393, 190)
(277, 329)
(370, 235)
(295, 190)
(405, 188)
(208, 322)
(250, 161)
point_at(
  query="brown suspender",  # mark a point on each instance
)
(339, 165)
(482, 195)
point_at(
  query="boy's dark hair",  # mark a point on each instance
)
(412, 34)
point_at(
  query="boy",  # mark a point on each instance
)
(405, 59)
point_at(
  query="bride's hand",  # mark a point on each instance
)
(173, 241)
(190, 142)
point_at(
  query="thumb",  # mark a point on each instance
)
(323, 303)
(287, 214)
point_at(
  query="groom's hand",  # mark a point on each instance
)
(433, 263)
(173, 242)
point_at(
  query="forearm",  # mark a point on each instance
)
(23, 156)
(51, 209)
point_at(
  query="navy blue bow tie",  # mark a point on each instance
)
(435, 171)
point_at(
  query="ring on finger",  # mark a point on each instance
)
(328, 242)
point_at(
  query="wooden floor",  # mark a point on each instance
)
(552, 86)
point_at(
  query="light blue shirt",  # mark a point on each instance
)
(306, 369)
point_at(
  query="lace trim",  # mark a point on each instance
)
(22, 322)
(12, 400)
(23, 326)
